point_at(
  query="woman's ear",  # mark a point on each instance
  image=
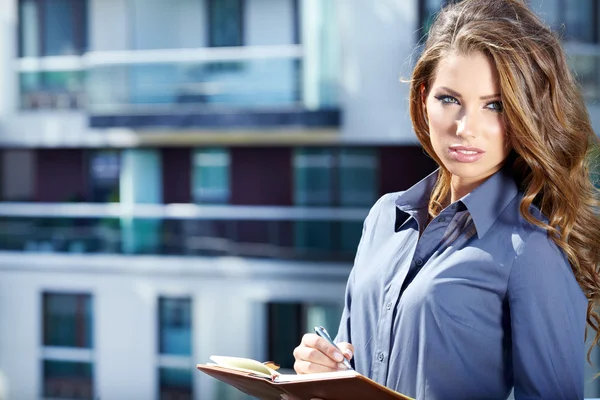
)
(423, 99)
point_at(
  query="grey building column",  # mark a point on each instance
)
(8, 52)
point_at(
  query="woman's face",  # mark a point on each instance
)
(464, 111)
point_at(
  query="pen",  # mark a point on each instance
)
(323, 333)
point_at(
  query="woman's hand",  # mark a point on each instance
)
(315, 354)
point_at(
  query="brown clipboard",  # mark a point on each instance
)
(348, 387)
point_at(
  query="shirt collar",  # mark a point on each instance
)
(417, 197)
(415, 201)
(485, 203)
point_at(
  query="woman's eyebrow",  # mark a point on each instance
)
(490, 96)
(457, 95)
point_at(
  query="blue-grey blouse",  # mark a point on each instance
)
(481, 302)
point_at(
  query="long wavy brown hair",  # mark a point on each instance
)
(546, 119)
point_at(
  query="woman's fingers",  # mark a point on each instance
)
(315, 341)
(347, 349)
(309, 360)
(315, 354)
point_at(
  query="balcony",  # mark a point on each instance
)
(218, 88)
(283, 233)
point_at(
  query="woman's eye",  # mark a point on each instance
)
(445, 99)
(495, 106)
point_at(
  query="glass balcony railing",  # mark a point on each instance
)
(288, 233)
(52, 90)
(249, 84)
(249, 78)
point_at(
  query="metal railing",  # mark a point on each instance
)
(290, 233)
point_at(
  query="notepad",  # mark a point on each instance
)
(266, 383)
(262, 370)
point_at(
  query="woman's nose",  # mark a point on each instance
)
(466, 126)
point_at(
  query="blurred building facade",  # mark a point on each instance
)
(189, 177)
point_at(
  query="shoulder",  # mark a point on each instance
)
(531, 236)
(528, 238)
(538, 260)
(379, 223)
(523, 233)
(384, 209)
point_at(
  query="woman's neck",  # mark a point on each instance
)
(460, 187)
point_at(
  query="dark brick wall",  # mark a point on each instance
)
(400, 167)
(261, 176)
(177, 175)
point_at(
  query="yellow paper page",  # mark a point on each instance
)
(244, 364)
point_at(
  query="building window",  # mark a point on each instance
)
(357, 177)
(225, 23)
(68, 380)
(67, 340)
(358, 187)
(105, 171)
(53, 27)
(67, 320)
(575, 20)
(175, 348)
(327, 177)
(210, 175)
(175, 383)
(314, 176)
(288, 322)
(335, 177)
(314, 185)
(578, 19)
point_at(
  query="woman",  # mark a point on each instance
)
(479, 279)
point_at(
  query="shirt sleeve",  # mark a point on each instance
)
(344, 331)
(548, 319)
(343, 334)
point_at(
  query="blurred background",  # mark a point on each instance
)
(182, 178)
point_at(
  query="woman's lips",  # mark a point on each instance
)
(466, 154)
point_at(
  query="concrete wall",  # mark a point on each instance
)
(377, 40)
(109, 25)
(159, 24)
(268, 22)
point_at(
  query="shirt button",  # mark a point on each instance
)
(442, 219)
(418, 262)
(380, 356)
(454, 206)
(388, 306)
